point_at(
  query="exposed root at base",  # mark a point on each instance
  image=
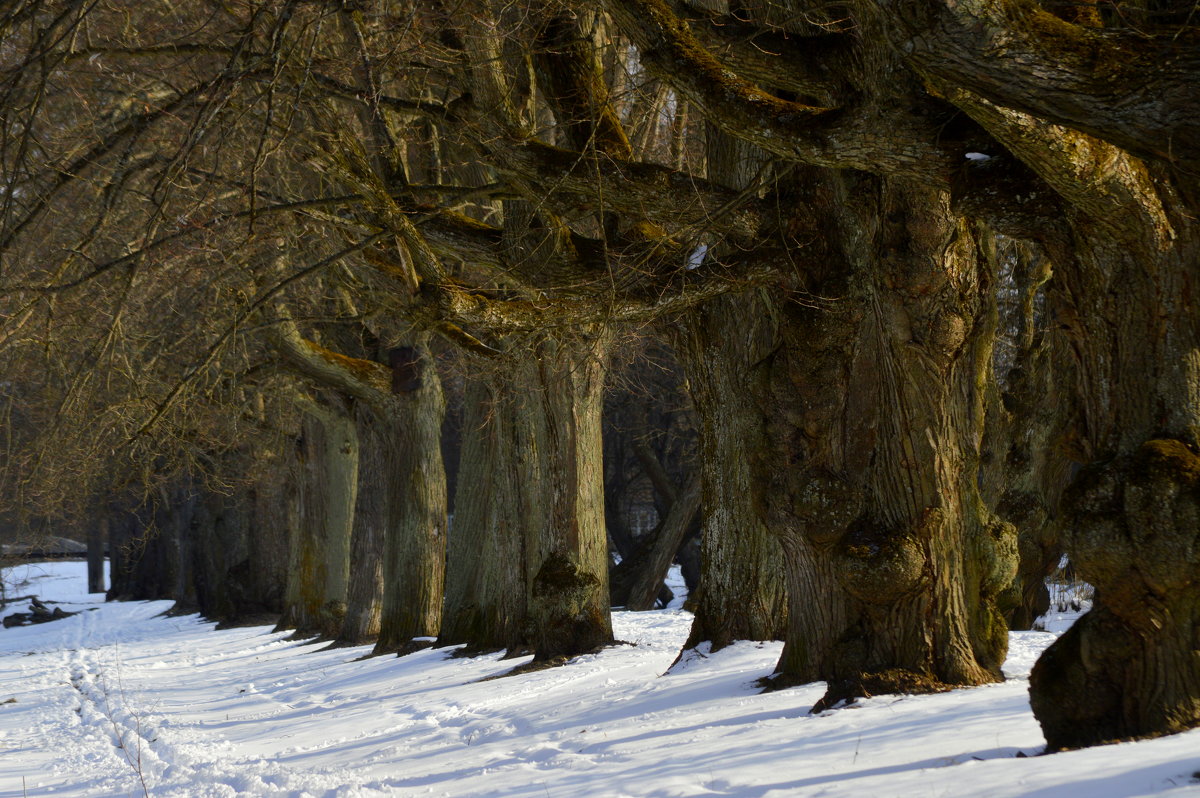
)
(845, 692)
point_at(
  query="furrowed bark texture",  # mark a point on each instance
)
(326, 486)
(485, 560)
(414, 504)
(743, 595)
(364, 593)
(1131, 666)
(874, 406)
(528, 564)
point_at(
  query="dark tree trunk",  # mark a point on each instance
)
(528, 565)
(637, 582)
(145, 545)
(1129, 668)
(97, 537)
(485, 562)
(742, 594)
(326, 488)
(414, 561)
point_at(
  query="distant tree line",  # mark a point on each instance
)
(397, 321)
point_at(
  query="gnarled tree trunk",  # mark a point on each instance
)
(1131, 667)
(873, 410)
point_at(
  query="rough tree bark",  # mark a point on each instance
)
(1131, 667)
(364, 592)
(743, 595)
(884, 511)
(414, 559)
(528, 563)
(326, 487)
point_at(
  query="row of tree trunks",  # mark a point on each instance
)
(216, 552)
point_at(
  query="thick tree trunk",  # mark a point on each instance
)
(849, 429)
(871, 410)
(743, 594)
(528, 566)
(485, 596)
(1131, 667)
(326, 487)
(236, 557)
(414, 562)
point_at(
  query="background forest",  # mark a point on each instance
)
(397, 321)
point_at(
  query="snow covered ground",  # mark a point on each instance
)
(120, 701)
